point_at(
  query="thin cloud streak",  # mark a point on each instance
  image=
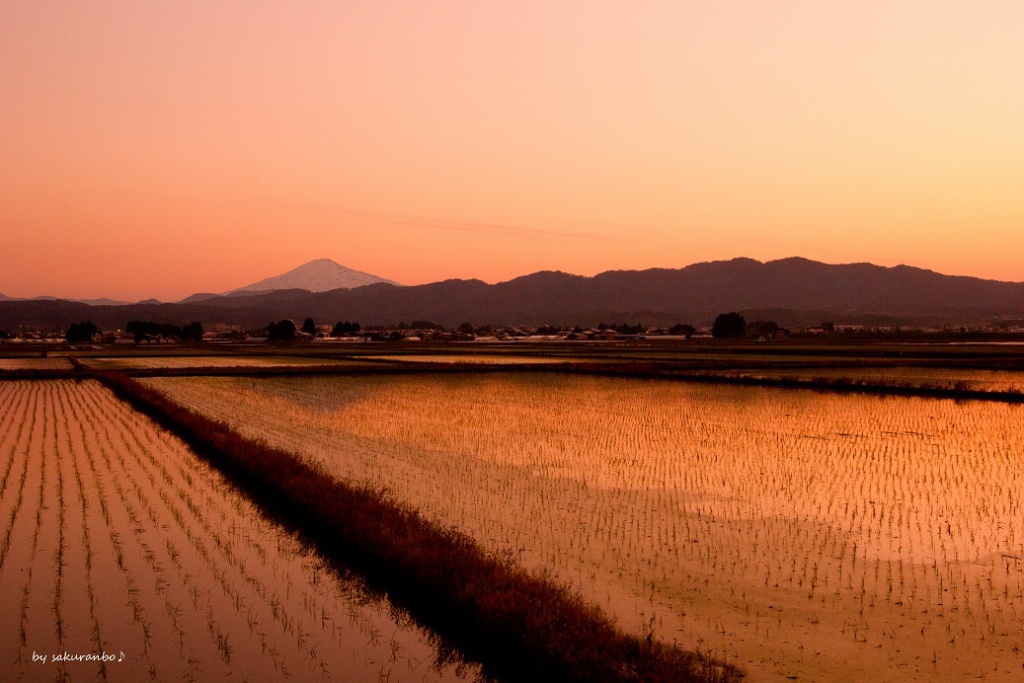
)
(446, 224)
(398, 221)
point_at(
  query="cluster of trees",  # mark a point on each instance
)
(192, 332)
(281, 331)
(729, 326)
(733, 325)
(285, 330)
(81, 332)
(726, 326)
(345, 329)
(144, 330)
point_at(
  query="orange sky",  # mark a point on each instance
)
(159, 149)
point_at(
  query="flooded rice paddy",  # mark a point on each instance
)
(795, 533)
(124, 558)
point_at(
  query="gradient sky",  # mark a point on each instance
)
(160, 149)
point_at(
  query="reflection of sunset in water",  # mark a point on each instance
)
(796, 533)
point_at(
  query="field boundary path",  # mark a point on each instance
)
(520, 626)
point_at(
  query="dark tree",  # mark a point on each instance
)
(345, 328)
(683, 329)
(192, 332)
(148, 330)
(309, 327)
(466, 328)
(81, 332)
(729, 325)
(282, 331)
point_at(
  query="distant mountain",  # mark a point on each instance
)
(791, 291)
(196, 298)
(104, 301)
(91, 302)
(794, 291)
(320, 275)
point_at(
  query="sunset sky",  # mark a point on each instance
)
(164, 148)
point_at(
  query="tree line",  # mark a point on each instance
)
(726, 326)
(285, 330)
(145, 330)
(81, 332)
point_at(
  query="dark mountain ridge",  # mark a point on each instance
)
(793, 291)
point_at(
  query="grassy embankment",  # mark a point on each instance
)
(520, 626)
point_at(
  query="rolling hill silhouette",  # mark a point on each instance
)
(793, 291)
